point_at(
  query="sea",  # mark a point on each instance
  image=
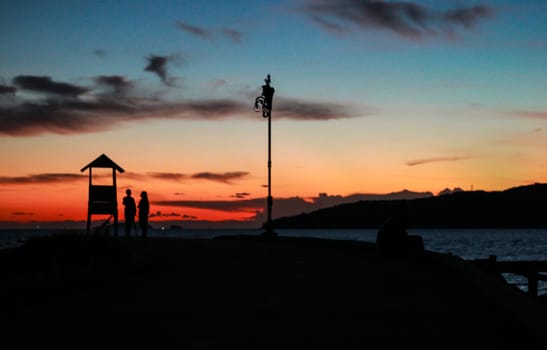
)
(505, 244)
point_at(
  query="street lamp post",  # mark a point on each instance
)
(263, 103)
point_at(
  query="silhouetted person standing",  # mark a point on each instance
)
(130, 212)
(144, 210)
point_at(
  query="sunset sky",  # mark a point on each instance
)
(371, 97)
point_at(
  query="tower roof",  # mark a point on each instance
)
(103, 162)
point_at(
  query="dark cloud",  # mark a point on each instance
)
(45, 84)
(250, 205)
(5, 89)
(436, 160)
(195, 30)
(216, 109)
(407, 19)
(226, 178)
(107, 106)
(306, 110)
(41, 178)
(283, 206)
(103, 112)
(100, 53)
(467, 16)
(232, 34)
(159, 214)
(241, 195)
(62, 116)
(158, 65)
(117, 83)
(22, 213)
(168, 176)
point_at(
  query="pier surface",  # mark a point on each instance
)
(248, 292)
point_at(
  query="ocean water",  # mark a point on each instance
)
(506, 244)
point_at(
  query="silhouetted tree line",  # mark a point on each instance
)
(523, 207)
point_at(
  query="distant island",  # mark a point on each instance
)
(518, 207)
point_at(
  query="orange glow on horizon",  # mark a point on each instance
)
(60, 202)
(303, 173)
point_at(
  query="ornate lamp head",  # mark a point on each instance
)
(264, 102)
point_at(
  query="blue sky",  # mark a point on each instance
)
(58, 38)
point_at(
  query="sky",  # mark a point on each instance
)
(371, 97)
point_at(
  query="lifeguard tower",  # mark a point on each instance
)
(103, 199)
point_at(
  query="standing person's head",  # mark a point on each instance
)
(128, 192)
(144, 195)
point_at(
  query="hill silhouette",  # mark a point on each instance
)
(523, 207)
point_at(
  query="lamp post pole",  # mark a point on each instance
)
(263, 103)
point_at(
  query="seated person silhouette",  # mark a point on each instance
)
(392, 236)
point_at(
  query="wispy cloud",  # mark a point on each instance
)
(311, 110)
(49, 178)
(215, 83)
(241, 195)
(530, 114)
(437, 159)
(129, 175)
(226, 178)
(210, 34)
(331, 27)
(100, 53)
(195, 30)
(533, 138)
(118, 83)
(22, 213)
(232, 34)
(407, 19)
(168, 176)
(41, 178)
